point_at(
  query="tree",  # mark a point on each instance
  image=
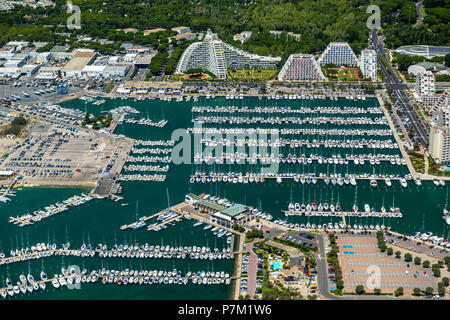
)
(417, 260)
(426, 264)
(445, 281)
(447, 59)
(389, 251)
(447, 259)
(408, 257)
(377, 291)
(359, 289)
(254, 233)
(398, 292)
(436, 270)
(19, 121)
(398, 254)
(441, 289)
(429, 291)
(417, 292)
(340, 284)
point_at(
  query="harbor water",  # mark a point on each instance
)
(99, 220)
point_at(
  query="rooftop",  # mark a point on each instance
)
(211, 205)
(180, 28)
(149, 31)
(79, 61)
(235, 210)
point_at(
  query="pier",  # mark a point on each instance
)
(127, 226)
(357, 214)
(158, 226)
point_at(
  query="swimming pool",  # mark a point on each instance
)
(276, 265)
(347, 246)
(349, 252)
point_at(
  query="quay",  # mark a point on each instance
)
(126, 226)
(294, 176)
(19, 221)
(358, 214)
(127, 252)
(156, 227)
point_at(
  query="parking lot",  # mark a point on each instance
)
(302, 238)
(359, 258)
(60, 154)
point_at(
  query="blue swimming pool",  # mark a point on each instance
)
(349, 252)
(276, 265)
(347, 246)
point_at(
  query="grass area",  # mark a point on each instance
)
(418, 163)
(347, 75)
(341, 74)
(243, 74)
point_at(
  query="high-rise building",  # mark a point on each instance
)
(442, 101)
(425, 84)
(338, 53)
(368, 63)
(216, 56)
(439, 145)
(301, 67)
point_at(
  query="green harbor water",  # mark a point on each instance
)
(98, 221)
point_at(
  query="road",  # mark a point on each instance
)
(419, 13)
(398, 90)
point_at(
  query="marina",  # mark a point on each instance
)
(305, 181)
(70, 279)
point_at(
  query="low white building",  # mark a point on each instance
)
(115, 71)
(243, 36)
(43, 57)
(129, 57)
(181, 30)
(114, 60)
(46, 76)
(29, 69)
(9, 71)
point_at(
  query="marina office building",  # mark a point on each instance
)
(237, 213)
(216, 56)
(221, 214)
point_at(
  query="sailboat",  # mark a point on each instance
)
(291, 206)
(446, 215)
(355, 206)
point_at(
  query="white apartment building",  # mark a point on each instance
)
(442, 101)
(338, 53)
(301, 67)
(216, 56)
(425, 84)
(368, 63)
(439, 144)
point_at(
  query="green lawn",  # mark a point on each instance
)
(242, 74)
(418, 163)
